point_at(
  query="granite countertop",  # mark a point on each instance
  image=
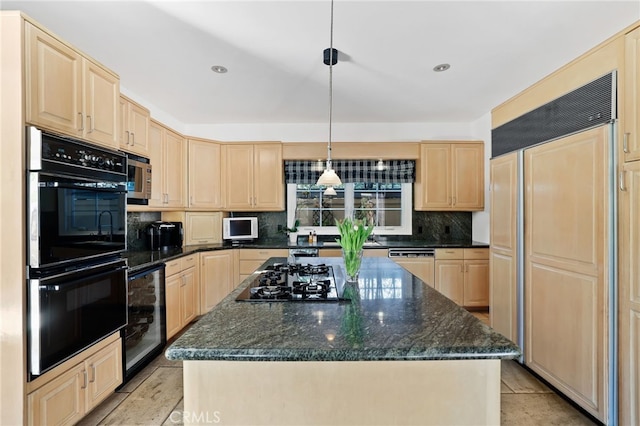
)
(138, 260)
(397, 317)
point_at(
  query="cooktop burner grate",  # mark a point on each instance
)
(283, 282)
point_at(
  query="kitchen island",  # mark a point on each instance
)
(399, 353)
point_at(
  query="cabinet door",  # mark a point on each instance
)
(433, 192)
(172, 303)
(188, 296)
(566, 266)
(175, 157)
(61, 401)
(502, 264)
(631, 132)
(204, 175)
(139, 129)
(629, 296)
(476, 283)
(105, 373)
(101, 100)
(467, 180)
(217, 278)
(238, 172)
(53, 83)
(156, 155)
(422, 268)
(450, 279)
(268, 186)
(203, 228)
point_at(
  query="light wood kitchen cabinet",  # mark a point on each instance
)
(181, 292)
(629, 297)
(450, 177)
(66, 398)
(67, 92)
(631, 111)
(134, 121)
(503, 249)
(463, 276)
(565, 296)
(217, 277)
(251, 259)
(199, 227)
(205, 176)
(253, 177)
(421, 267)
(168, 156)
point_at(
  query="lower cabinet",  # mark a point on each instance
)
(181, 292)
(421, 267)
(217, 277)
(463, 276)
(251, 259)
(67, 397)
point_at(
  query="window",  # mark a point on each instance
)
(386, 205)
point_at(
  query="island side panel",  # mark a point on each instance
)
(456, 392)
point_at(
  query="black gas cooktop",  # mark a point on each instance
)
(292, 282)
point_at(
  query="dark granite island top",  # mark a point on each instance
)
(398, 318)
(400, 354)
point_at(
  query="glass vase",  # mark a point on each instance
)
(352, 261)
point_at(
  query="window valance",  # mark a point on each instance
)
(383, 171)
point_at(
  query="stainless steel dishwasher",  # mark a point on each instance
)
(419, 261)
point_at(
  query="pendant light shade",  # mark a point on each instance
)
(330, 191)
(329, 177)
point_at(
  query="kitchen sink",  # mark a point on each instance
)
(335, 244)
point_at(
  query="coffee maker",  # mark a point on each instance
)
(164, 235)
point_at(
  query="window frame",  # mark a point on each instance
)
(406, 228)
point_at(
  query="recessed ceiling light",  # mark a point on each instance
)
(441, 67)
(219, 69)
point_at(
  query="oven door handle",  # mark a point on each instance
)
(77, 182)
(107, 266)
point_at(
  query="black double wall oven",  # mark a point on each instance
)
(76, 232)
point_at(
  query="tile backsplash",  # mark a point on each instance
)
(432, 226)
(136, 224)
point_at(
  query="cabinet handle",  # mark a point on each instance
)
(462, 268)
(128, 134)
(625, 142)
(90, 124)
(92, 377)
(622, 187)
(454, 201)
(81, 122)
(450, 203)
(84, 379)
(133, 138)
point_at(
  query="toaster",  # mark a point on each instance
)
(164, 235)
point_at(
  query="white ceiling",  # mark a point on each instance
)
(163, 51)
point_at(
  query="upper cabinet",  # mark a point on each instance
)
(450, 176)
(134, 127)
(631, 136)
(168, 156)
(67, 92)
(204, 175)
(253, 177)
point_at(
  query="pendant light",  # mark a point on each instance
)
(329, 176)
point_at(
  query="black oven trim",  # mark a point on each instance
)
(35, 284)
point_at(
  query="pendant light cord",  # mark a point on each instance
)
(330, 89)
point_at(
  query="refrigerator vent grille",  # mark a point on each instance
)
(588, 106)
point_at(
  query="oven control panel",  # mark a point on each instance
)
(82, 155)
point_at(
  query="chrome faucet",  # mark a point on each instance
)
(110, 224)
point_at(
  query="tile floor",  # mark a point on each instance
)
(154, 397)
